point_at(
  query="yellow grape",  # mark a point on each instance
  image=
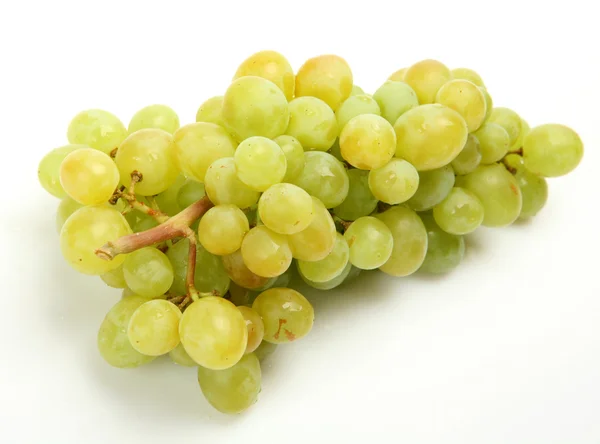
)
(313, 123)
(222, 229)
(467, 74)
(272, 66)
(154, 327)
(155, 116)
(223, 186)
(260, 163)
(368, 142)
(294, 155)
(426, 78)
(240, 274)
(210, 111)
(330, 266)
(317, 240)
(466, 99)
(179, 356)
(327, 77)
(49, 169)
(265, 252)
(66, 207)
(398, 76)
(97, 129)
(285, 208)
(370, 242)
(256, 328)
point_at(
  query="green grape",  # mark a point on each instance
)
(317, 240)
(430, 136)
(49, 169)
(368, 142)
(489, 103)
(114, 278)
(493, 142)
(434, 186)
(467, 74)
(331, 284)
(394, 99)
(89, 176)
(88, 229)
(294, 155)
(224, 187)
(355, 106)
(241, 296)
(260, 163)
(552, 150)
(253, 106)
(139, 221)
(469, 158)
(360, 201)
(240, 274)
(533, 188)
(256, 328)
(149, 152)
(510, 121)
(330, 266)
(398, 76)
(356, 90)
(285, 208)
(210, 111)
(264, 350)
(167, 200)
(394, 183)
(497, 190)
(98, 129)
(209, 275)
(190, 192)
(465, 98)
(66, 207)
(461, 212)
(327, 77)
(222, 229)
(113, 343)
(518, 145)
(426, 78)
(325, 178)
(313, 123)
(265, 252)
(154, 327)
(272, 66)
(444, 250)
(148, 272)
(370, 242)
(198, 145)
(213, 332)
(155, 116)
(180, 357)
(286, 314)
(410, 241)
(232, 390)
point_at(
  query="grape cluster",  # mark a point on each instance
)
(203, 225)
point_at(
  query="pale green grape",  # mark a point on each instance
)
(356, 90)
(410, 241)
(232, 390)
(148, 272)
(394, 99)
(190, 192)
(355, 106)
(256, 328)
(167, 200)
(240, 274)
(325, 178)
(97, 129)
(330, 266)
(154, 327)
(398, 76)
(518, 145)
(272, 66)
(426, 78)
(434, 186)
(224, 187)
(370, 241)
(286, 314)
(360, 201)
(489, 103)
(469, 158)
(465, 98)
(197, 145)
(394, 183)
(313, 123)
(533, 188)
(493, 142)
(461, 212)
(467, 74)
(317, 240)
(368, 142)
(114, 278)
(264, 350)
(552, 150)
(327, 77)
(285, 208)
(294, 155)
(210, 111)
(222, 229)
(265, 252)
(260, 163)
(113, 343)
(253, 106)
(497, 190)
(444, 250)
(49, 169)
(510, 121)
(430, 136)
(213, 332)
(89, 176)
(179, 356)
(88, 229)
(66, 207)
(155, 116)
(331, 284)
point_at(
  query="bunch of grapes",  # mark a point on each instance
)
(203, 225)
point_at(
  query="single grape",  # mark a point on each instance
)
(66, 207)
(461, 212)
(510, 121)
(469, 158)
(224, 187)
(330, 266)
(426, 78)
(167, 200)
(179, 356)
(430, 136)
(285, 208)
(210, 111)
(368, 142)
(434, 186)
(260, 163)
(49, 169)
(331, 284)
(394, 99)
(360, 201)
(264, 350)
(114, 278)
(533, 188)
(370, 242)
(398, 76)
(394, 183)
(325, 178)
(294, 155)
(155, 116)
(97, 129)
(467, 74)
(240, 274)
(356, 90)
(222, 229)
(234, 389)
(154, 327)
(552, 150)
(272, 66)
(148, 272)
(356, 105)
(444, 250)
(286, 314)
(256, 328)
(190, 192)
(410, 241)
(465, 98)
(265, 252)
(327, 77)
(313, 123)
(493, 142)
(317, 240)
(213, 332)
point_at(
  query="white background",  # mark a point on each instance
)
(506, 349)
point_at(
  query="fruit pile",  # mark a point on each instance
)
(203, 225)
